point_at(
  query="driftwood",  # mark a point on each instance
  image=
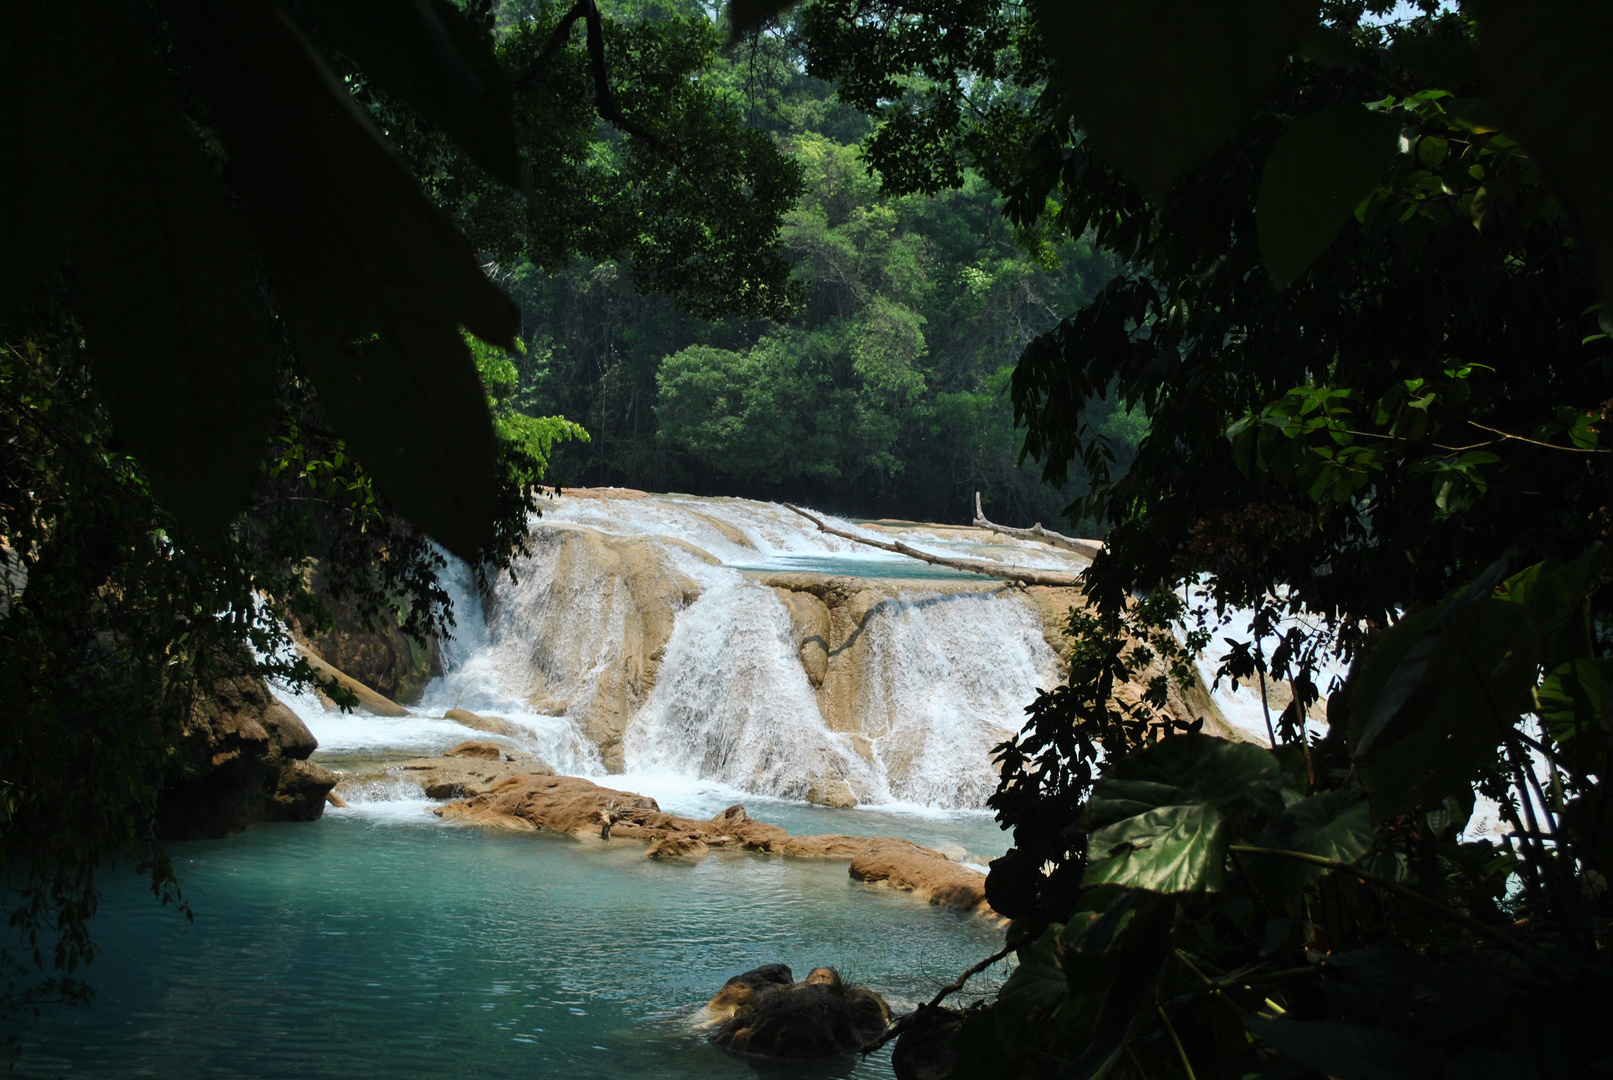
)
(1023, 574)
(1089, 548)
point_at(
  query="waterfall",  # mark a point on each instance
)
(729, 642)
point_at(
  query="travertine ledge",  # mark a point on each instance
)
(581, 808)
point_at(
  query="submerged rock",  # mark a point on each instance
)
(570, 804)
(819, 1017)
(244, 759)
(469, 769)
(923, 871)
(493, 725)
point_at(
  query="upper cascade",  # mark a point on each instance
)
(731, 641)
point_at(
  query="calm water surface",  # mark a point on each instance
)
(370, 946)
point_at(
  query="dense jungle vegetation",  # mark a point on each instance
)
(1310, 312)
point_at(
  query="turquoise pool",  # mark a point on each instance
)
(364, 946)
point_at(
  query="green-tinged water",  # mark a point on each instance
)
(360, 947)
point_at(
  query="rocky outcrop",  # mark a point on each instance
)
(378, 655)
(243, 760)
(572, 805)
(493, 725)
(767, 1014)
(469, 769)
(921, 870)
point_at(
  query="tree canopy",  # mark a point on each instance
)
(1361, 307)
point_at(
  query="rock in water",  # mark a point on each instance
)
(244, 760)
(739, 993)
(817, 1018)
(924, 1050)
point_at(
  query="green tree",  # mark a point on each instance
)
(1363, 316)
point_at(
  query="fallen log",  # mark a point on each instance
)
(1023, 574)
(1088, 548)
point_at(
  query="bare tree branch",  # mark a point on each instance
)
(1022, 574)
(1089, 548)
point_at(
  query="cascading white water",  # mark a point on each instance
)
(647, 626)
(733, 704)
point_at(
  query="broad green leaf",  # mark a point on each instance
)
(1192, 768)
(1345, 1051)
(373, 281)
(1477, 677)
(748, 16)
(1577, 698)
(1334, 825)
(1172, 849)
(427, 53)
(1315, 176)
(1160, 84)
(1547, 76)
(35, 153)
(173, 316)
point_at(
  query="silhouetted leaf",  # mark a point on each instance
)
(35, 153)
(373, 281)
(1447, 62)
(1345, 1051)
(1315, 176)
(1547, 76)
(748, 16)
(978, 1052)
(1140, 955)
(172, 312)
(427, 53)
(1334, 825)
(1412, 654)
(1554, 595)
(1159, 84)
(1477, 677)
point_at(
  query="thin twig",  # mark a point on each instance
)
(1537, 442)
(905, 1022)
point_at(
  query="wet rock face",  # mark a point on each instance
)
(379, 655)
(244, 760)
(764, 1012)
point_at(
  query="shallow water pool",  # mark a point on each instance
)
(358, 946)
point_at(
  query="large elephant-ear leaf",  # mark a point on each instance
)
(1163, 817)
(1546, 73)
(174, 318)
(1315, 176)
(428, 54)
(35, 153)
(373, 281)
(1333, 825)
(1160, 84)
